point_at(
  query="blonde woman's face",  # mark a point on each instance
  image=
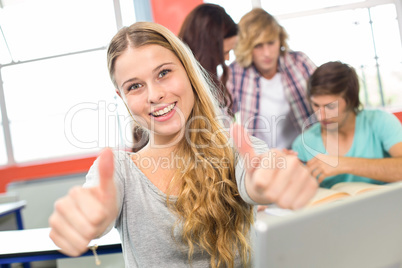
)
(156, 88)
(266, 53)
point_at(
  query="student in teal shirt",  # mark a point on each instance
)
(348, 144)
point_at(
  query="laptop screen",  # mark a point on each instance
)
(360, 231)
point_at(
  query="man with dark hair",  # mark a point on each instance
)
(349, 144)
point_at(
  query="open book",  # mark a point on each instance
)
(341, 191)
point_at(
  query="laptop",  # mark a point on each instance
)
(361, 231)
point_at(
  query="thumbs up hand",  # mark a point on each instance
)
(274, 176)
(85, 213)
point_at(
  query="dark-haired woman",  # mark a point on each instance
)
(211, 34)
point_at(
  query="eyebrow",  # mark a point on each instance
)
(314, 103)
(155, 70)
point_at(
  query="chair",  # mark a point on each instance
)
(8, 222)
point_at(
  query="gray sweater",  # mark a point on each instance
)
(144, 221)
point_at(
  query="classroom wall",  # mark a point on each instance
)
(40, 195)
(171, 13)
(28, 172)
(8, 222)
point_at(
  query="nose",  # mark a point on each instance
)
(321, 114)
(155, 94)
(266, 49)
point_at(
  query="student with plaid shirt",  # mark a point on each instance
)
(268, 81)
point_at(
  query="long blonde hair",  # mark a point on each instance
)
(210, 210)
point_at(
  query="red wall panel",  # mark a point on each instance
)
(171, 13)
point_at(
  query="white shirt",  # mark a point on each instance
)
(274, 125)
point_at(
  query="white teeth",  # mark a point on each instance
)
(164, 111)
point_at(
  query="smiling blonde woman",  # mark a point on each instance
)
(196, 211)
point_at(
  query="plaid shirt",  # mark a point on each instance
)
(244, 85)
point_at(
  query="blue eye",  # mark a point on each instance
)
(163, 73)
(134, 86)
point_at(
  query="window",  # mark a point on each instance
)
(60, 100)
(349, 36)
(291, 6)
(364, 34)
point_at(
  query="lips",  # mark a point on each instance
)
(164, 111)
(327, 122)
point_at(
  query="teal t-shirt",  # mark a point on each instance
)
(376, 132)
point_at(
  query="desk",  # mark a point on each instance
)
(360, 231)
(13, 207)
(35, 245)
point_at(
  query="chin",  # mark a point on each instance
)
(169, 131)
(331, 126)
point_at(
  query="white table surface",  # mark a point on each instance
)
(38, 240)
(12, 206)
